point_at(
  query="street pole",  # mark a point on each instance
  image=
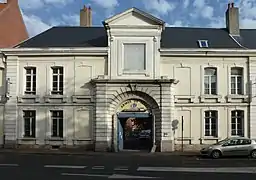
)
(182, 128)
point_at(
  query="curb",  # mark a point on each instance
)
(72, 153)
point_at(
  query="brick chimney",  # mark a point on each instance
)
(232, 20)
(86, 17)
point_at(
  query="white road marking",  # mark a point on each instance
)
(122, 176)
(98, 167)
(251, 170)
(65, 167)
(235, 159)
(121, 168)
(113, 176)
(91, 175)
(9, 165)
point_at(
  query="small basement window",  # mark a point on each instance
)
(203, 43)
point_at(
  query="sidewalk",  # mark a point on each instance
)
(92, 153)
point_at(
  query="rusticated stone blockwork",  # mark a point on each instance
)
(156, 94)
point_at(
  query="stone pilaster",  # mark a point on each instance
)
(11, 115)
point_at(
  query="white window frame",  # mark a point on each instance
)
(209, 78)
(236, 77)
(200, 42)
(33, 76)
(58, 91)
(210, 123)
(58, 118)
(236, 119)
(149, 57)
(31, 118)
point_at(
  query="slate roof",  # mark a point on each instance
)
(172, 37)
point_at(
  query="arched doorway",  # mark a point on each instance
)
(135, 126)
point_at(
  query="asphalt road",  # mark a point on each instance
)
(116, 166)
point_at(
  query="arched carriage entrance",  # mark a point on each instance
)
(135, 126)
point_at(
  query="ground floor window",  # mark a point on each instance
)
(237, 123)
(29, 123)
(210, 123)
(57, 123)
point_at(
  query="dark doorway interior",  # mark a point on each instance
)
(137, 133)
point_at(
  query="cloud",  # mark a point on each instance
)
(186, 3)
(35, 24)
(107, 4)
(161, 7)
(38, 4)
(202, 9)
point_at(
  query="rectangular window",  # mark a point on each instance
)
(57, 80)
(211, 123)
(210, 81)
(237, 123)
(30, 80)
(236, 81)
(134, 57)
(57, 124)
(29, 118)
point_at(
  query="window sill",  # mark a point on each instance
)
(82, 99)
(143, 72)
(28, 97)
(50, 98)
(184, 99)
(27, 139)
(210, 138)
(237, 98)
(184, 138)
(55, 139)
(209, 97)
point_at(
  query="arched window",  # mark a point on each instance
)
(237, 123)
(210, 80)
(236, 80)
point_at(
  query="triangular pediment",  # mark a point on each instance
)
(133, 17)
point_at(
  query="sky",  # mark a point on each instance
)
(40, 15)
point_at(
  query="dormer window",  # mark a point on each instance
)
(203, 43)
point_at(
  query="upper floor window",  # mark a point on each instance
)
(57, 80)
(57, 123)
(29, 117)
(134, 57)
(30, 80)
(210, 123)
(237, 123)
(236, 80)
(210, 81)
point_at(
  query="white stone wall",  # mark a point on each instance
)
(190, 101)
(77, 102)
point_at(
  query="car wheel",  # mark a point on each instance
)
(253, 154)
(216, 154)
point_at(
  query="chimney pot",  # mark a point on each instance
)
(232, 19)
(86, 16)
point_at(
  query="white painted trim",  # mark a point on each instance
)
(202, 78)
(203, 122)
(55, 51)
(244, 78)
(245, 123)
